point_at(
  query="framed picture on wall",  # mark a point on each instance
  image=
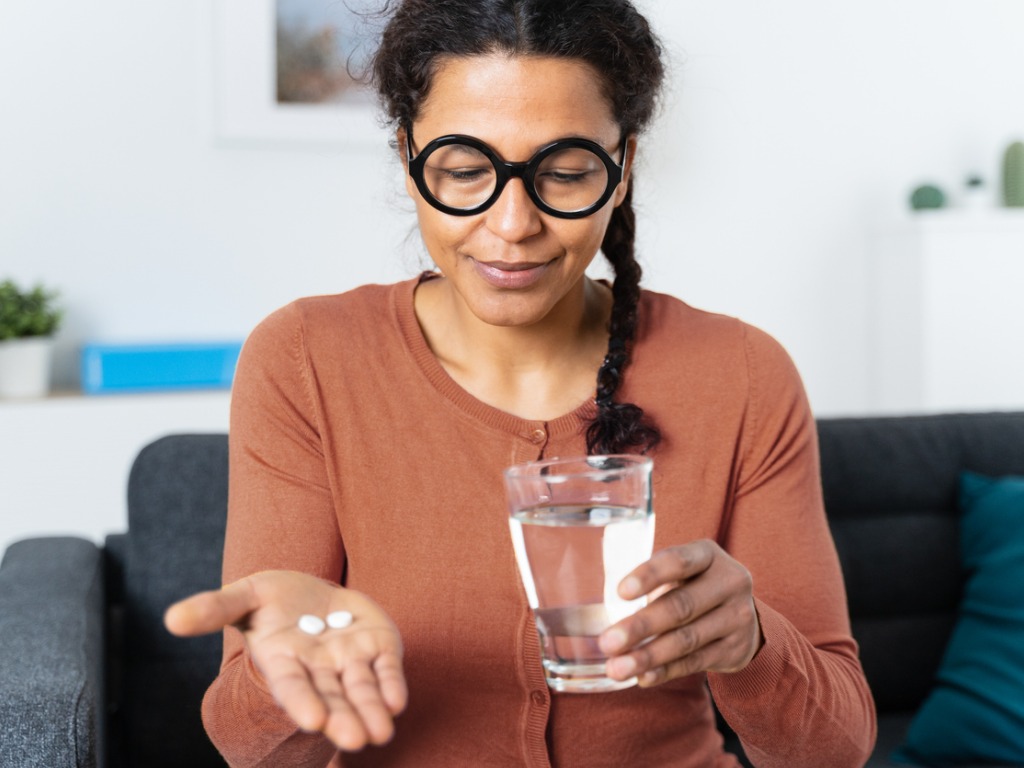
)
(285, 70)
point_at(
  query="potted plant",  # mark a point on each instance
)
(28, 321)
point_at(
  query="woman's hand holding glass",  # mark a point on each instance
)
(346, 683)
(701, 617)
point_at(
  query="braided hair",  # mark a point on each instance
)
(617, 42)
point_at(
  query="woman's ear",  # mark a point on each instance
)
(629, 154)
(401, 137)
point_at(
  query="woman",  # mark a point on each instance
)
(369, 431)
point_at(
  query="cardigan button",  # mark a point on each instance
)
(538, 436)
(538, 698)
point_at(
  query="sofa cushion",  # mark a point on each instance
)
(890, 487)
(975, 712)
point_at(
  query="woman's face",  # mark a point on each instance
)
(511, 265)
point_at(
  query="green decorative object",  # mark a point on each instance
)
(1013, 175)
(28, 321)
(25, 313)
(927, 197)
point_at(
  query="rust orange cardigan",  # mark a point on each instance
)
(356, 458)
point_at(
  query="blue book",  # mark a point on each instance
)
(158, 367)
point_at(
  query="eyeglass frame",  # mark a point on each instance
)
(506, 171)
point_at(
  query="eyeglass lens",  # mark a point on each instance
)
(570, 179)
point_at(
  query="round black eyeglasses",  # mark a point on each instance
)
(462, 176)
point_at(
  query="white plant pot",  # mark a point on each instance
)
(25, 367)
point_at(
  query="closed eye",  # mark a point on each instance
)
(566, 177)
(465, 174)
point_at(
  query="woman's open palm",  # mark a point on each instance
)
(345, 682)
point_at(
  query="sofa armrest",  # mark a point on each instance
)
(51, 663)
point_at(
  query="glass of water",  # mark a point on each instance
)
(578, 527)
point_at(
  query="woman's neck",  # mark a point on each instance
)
(537, 372)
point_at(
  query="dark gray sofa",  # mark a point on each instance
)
(89, 677)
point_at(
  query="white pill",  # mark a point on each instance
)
(339, 619)
(311, 625)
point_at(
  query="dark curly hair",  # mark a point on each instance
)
(617, 42)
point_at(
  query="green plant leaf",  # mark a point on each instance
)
(32, 312)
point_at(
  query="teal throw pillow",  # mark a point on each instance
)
(975, 712)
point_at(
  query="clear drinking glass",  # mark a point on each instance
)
(578, 527)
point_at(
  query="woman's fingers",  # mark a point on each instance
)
(668, 566)
(684, 605)
(211, 611)
(362, 690)
(718, 641)
(674, 628)
(393, 688)
(354, 711)
(703, 620)
(686, 598)
(291, 686)
(344, 725)
(329, 683)
(370, 667)
(342, 704)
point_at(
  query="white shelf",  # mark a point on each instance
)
(948, 321)
(64, 459)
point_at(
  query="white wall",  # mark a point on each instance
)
(791, 129)
(795, 128)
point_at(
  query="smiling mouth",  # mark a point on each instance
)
(510, 275)
(504, 266)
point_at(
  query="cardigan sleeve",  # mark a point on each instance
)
(803, 700)
(280, 516)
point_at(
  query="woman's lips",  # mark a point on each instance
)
(508, 275)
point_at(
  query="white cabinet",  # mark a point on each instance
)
(947, 313)
(64, 460)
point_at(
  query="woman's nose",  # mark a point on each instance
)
(514, 217)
